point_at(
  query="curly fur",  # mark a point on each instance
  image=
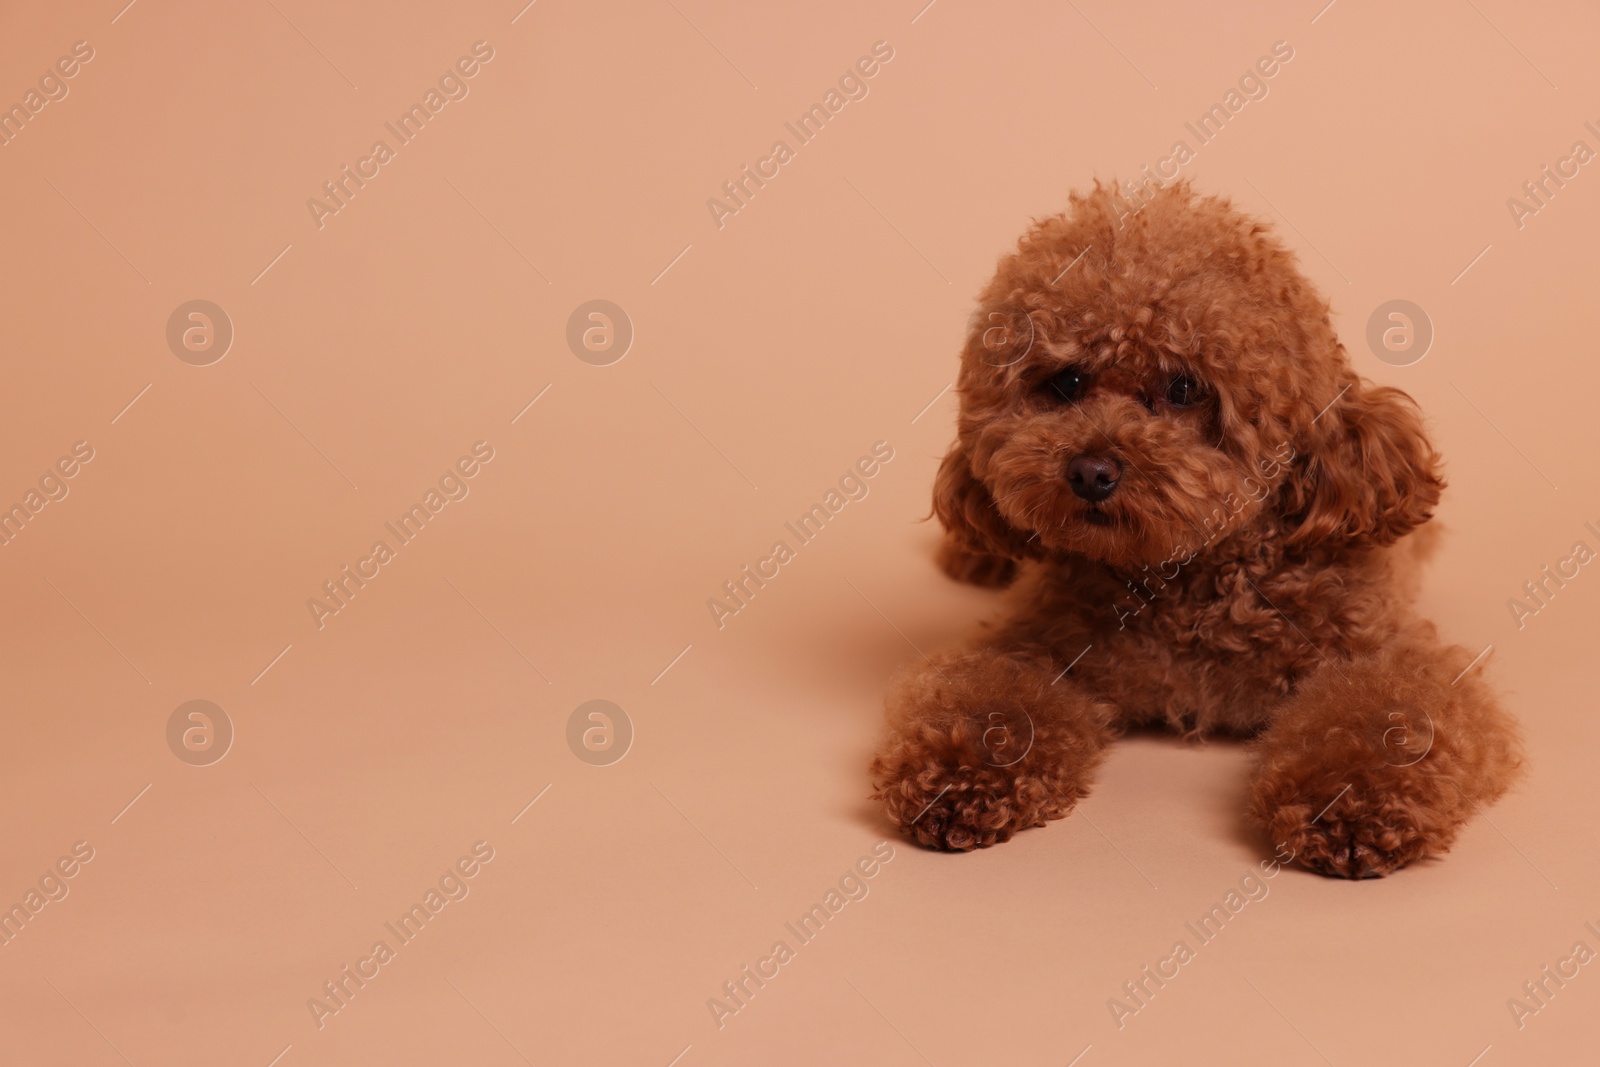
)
(1247, 575)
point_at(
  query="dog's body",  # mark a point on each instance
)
(1162, 444)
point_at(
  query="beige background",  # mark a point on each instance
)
(371, 353)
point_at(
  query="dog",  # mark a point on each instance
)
(1210, 523)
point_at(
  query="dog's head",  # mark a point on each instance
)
(1142, 379)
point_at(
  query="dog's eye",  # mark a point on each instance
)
(1183, 391)
(1066, 385)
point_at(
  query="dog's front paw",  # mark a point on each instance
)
(958, 809)
(983, 744)
(960, 787)
(1355, 836)
(1363, 804)
(1380, 760)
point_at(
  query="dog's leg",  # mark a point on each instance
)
(1379, 760)
(984, 743)
(976, 568)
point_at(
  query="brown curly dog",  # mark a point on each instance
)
(1163, 447)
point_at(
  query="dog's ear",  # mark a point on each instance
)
(968, 512)
(1368, 475)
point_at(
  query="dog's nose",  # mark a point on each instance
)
(1093, 477)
